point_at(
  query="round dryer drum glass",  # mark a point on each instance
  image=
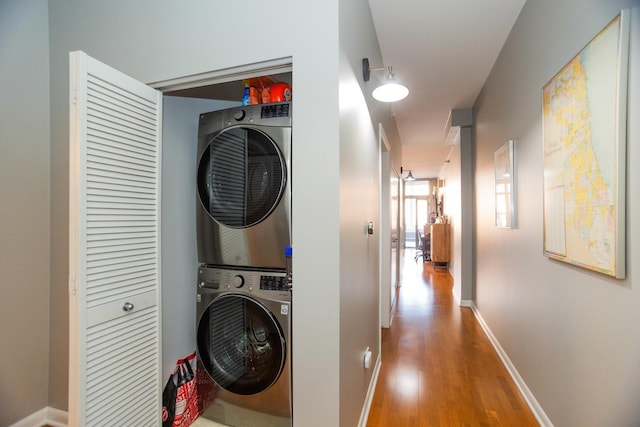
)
(241, 177)
(240, 344)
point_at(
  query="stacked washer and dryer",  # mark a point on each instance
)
(243, 218)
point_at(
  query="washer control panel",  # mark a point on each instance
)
(230, 279)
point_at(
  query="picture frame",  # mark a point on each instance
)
(505, 190)
(584, 154)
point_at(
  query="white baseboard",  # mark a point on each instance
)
(51, 416)
(364, 415)
(528, 396)
(461, 302)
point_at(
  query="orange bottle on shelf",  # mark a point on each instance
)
(266, 95)
(253, 96)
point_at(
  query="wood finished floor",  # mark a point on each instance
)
(438, 367)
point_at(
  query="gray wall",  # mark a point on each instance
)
(24, 208)
(458, 207)
(179, 259)
(572, 334)
(451, 173)
(358, 189)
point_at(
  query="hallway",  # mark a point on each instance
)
(438, 367)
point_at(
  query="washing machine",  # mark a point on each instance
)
(243, 211)
(244, 348)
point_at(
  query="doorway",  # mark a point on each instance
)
(390, 248)
(184, 99)
(417, 210)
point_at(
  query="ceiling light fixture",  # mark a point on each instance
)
(390, 90)
(409, 175)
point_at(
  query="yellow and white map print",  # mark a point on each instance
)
(580, 157)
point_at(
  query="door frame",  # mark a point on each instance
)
(225, 75)
(387, 283)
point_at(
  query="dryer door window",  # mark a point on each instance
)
(241, 177)
(241, 345)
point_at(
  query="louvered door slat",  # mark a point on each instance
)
(100, 111)
(115, 252)
(107, 124)
(106, 281)
(111, 263)
(120, 157)
(123, 205)
(112, 291)
(115, 241)
(122, 232)
(119, 105)
(112, 178)
(102, 148)
(125, 197)
(120, 142)
(138, 337)
(100, 224)
(116, 368)
(122, 252)
(101, 128)
(107, 187)
(143, 107)
(124, 171)
(118, 272)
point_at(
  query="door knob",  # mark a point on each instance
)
(127, 306)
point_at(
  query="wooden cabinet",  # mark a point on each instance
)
(440, 243)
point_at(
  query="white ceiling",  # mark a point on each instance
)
(443, 51)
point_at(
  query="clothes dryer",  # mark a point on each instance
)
(243, 345)
(243, 211)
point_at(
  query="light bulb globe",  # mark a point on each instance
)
(391, 91)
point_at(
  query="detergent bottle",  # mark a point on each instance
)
(246, 98)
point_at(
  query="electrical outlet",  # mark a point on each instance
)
(366, 360)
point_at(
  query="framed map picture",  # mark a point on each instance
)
(584, 128)
(504, 187)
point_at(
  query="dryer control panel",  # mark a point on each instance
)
(270, 111)
(274, 283)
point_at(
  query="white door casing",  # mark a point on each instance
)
(389, 231)
(394, 208)
(114, 247)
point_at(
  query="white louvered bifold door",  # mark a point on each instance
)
(114, 240)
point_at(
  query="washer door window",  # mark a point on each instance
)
(241, 177)
(241, 344)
